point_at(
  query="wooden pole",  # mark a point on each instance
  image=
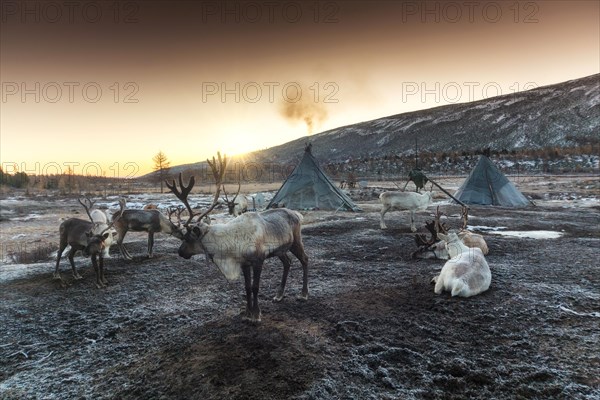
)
(444, 190)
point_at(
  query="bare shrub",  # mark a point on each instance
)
(28, 255)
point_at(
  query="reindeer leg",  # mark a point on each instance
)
(58, 255)
(286, 269)
(248, 284)
(122, 249)
(150, 243)
(71, 255)
(298, 250)
(439, 284)
(257, 269)
(102, 278)
(96, 271)
(382, 222)
(412, 222)
(105, 250)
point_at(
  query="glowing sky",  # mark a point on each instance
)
(91, 83)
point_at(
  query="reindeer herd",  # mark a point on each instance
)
(241, 245)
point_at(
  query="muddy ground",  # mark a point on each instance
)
(372, 328)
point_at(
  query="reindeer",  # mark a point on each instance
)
(151, 221)
(243, 244)
(238, 205)
(436, 248)
(466, 273)
(88, 236)
(398, 201)
(99, 217)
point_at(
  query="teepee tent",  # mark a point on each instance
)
(486, 185)
(309, 188)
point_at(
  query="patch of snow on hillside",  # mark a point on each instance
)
(449, 118)
(384, 140)
(492, 105)
(521, 141)
(414, 122)
(500, 118)
(505, 163)
(513, 101)
(594, 101)
(592, 90)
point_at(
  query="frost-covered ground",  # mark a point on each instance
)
(372, 327)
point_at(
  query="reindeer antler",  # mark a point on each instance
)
(183, 193)
(218, 166)
(121, 209)
(439, 227)
(87, 204)
(434, 227)
(176, 210)
(465, 217)
(236, 194)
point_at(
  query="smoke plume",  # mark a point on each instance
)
(305, 110)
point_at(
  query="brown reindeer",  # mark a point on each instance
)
(151, 221)
(89, 237)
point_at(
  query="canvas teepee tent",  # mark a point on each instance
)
(486, 185)
(309, 188)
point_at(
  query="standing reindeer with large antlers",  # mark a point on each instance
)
(243, 244)
(88, 236)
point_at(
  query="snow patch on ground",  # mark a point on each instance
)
(530, 234)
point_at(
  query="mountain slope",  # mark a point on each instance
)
(556, 115)
(546, 116)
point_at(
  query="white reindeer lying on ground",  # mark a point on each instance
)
(466, 273)
(243, 244)
(399, 201)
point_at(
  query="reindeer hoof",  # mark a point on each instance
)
(413, 229)
(78, 277)
(57, 276)
(250, 317)
(302, 297)
(278, 298)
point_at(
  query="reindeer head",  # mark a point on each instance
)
(453, 244)
(231, 203)
(95, 243)
(432, 247)
(97, 236)
(192, 240)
